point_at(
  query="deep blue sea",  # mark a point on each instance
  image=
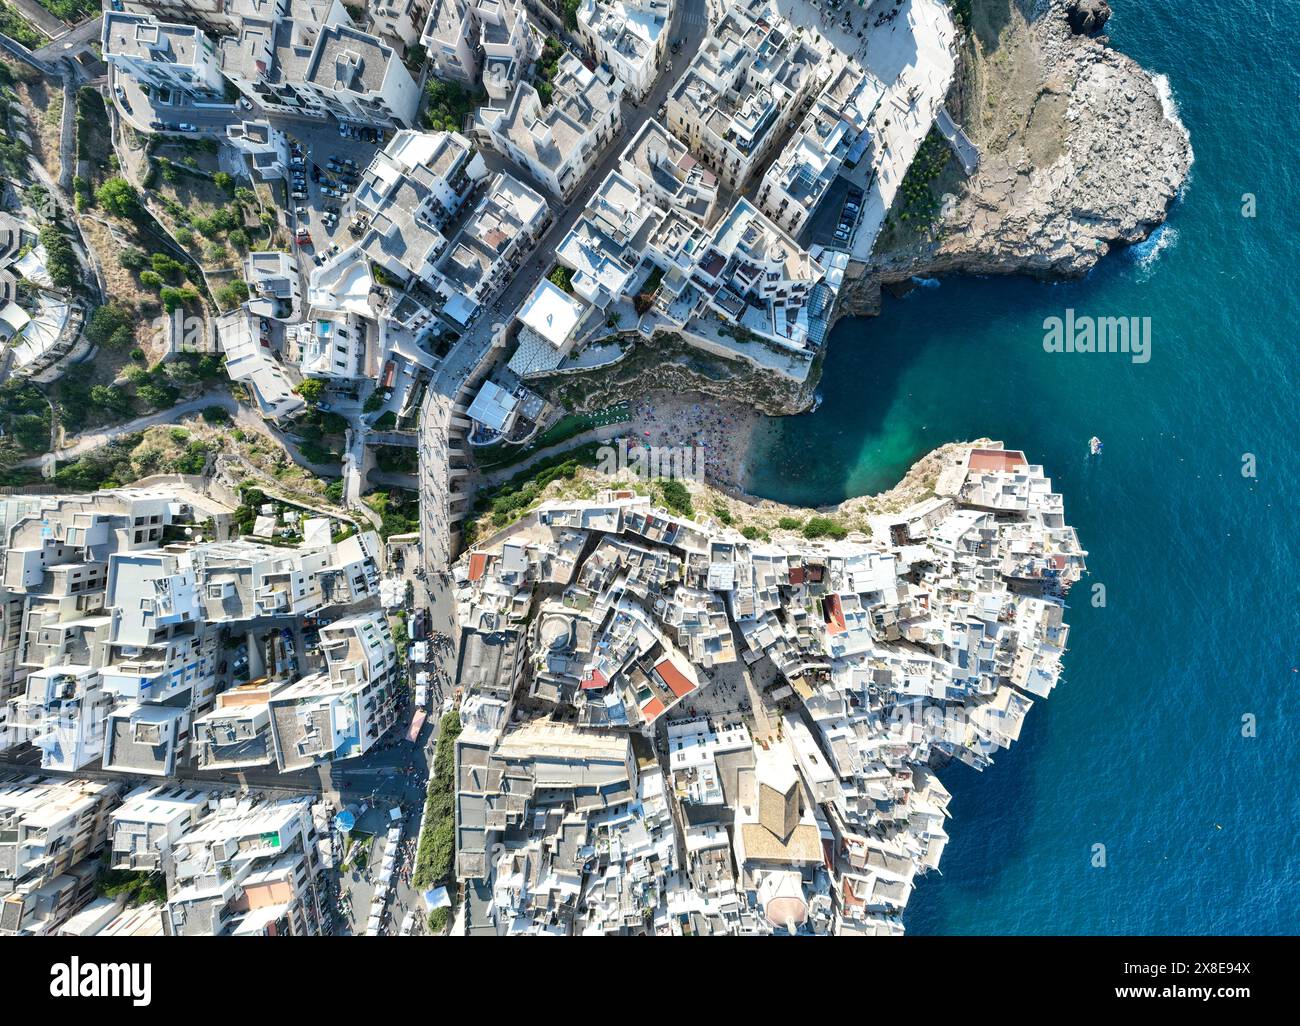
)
(1141, 747)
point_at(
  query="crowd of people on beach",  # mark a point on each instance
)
(721, 430)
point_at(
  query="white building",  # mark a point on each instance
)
(342, 712)
(305, 57)
(750, 77)
(50, 833)
(274, 289)
(549, 322)
(248, 360)
(116, 607)
(265, 147)
(397, 21)
(149, 822)
(559, 142)
(441, 239)
(834, 134)
(249, 869)
(604, 248)
(161, 55)
(493, 241)
(334, 347)
(760, 280)
(628, 35)
(473, 41)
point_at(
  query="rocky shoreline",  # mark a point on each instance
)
(1081, 150)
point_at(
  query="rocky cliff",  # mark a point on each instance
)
(1080, 150)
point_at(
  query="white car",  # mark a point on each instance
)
(246, 103)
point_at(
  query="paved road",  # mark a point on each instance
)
(88, 441)
(67, 44)
(243, 416)
(439, 500)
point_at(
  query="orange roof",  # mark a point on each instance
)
(477, 564)
(674, 678)
(652, 709)
(996, 459)
(834, 615)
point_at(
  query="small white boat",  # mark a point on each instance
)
(1095, 446)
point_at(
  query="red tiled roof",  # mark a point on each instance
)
(796, 575)
(595, 681)
(477, 564)
(674, 678)
(834, 615)
(996, 459)
(652, 709)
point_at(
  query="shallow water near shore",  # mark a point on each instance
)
(1140, 749)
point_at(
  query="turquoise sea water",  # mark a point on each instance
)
(1140, 748)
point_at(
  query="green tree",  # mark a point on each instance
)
(676, 497)
(312, 390)
(233, 293)
(174, 298)
(60, 260)
(157, 397)
(118, 197)
(110, 325)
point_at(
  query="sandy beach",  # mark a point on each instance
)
(724, 430)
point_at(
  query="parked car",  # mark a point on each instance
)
(246, 103)
(185, 126)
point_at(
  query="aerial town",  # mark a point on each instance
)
(295, 294)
